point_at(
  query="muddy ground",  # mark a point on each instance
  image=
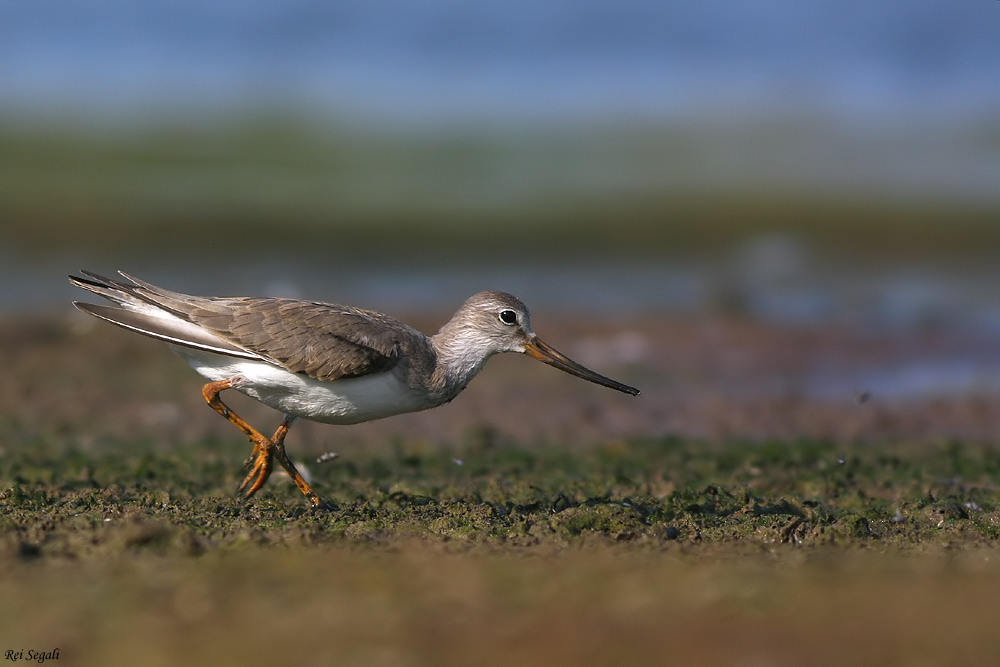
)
(737, 512)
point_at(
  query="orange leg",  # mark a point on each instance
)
(261, 461)
(260, 465)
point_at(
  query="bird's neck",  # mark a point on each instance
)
(461, 353)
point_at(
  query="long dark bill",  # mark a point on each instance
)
(542, 351)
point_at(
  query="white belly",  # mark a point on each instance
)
(347, 401)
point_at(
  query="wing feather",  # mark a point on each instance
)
(321, 340)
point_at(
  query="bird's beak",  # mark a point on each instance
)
(540, 350)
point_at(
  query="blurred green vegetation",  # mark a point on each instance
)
(251, 180)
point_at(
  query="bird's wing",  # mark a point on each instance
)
(322, 340)
(136, 312)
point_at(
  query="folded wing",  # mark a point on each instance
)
(323, 341)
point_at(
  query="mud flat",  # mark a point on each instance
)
(752, 505)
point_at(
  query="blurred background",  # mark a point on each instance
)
(814, 165)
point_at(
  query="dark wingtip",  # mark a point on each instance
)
(91, 278)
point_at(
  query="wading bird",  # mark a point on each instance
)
(322, 361)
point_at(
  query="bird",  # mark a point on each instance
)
(321, 361)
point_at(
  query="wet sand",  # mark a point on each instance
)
(709, 378)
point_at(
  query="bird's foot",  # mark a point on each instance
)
(259, 467)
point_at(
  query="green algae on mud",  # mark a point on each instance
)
(641, 552)
(69, 504)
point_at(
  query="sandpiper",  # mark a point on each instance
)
(322, 361)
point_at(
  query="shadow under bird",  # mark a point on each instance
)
(322, 361)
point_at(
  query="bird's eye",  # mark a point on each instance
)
(508, 317)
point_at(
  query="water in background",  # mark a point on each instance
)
(897, 98)
(441, 61)
(849, 98)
